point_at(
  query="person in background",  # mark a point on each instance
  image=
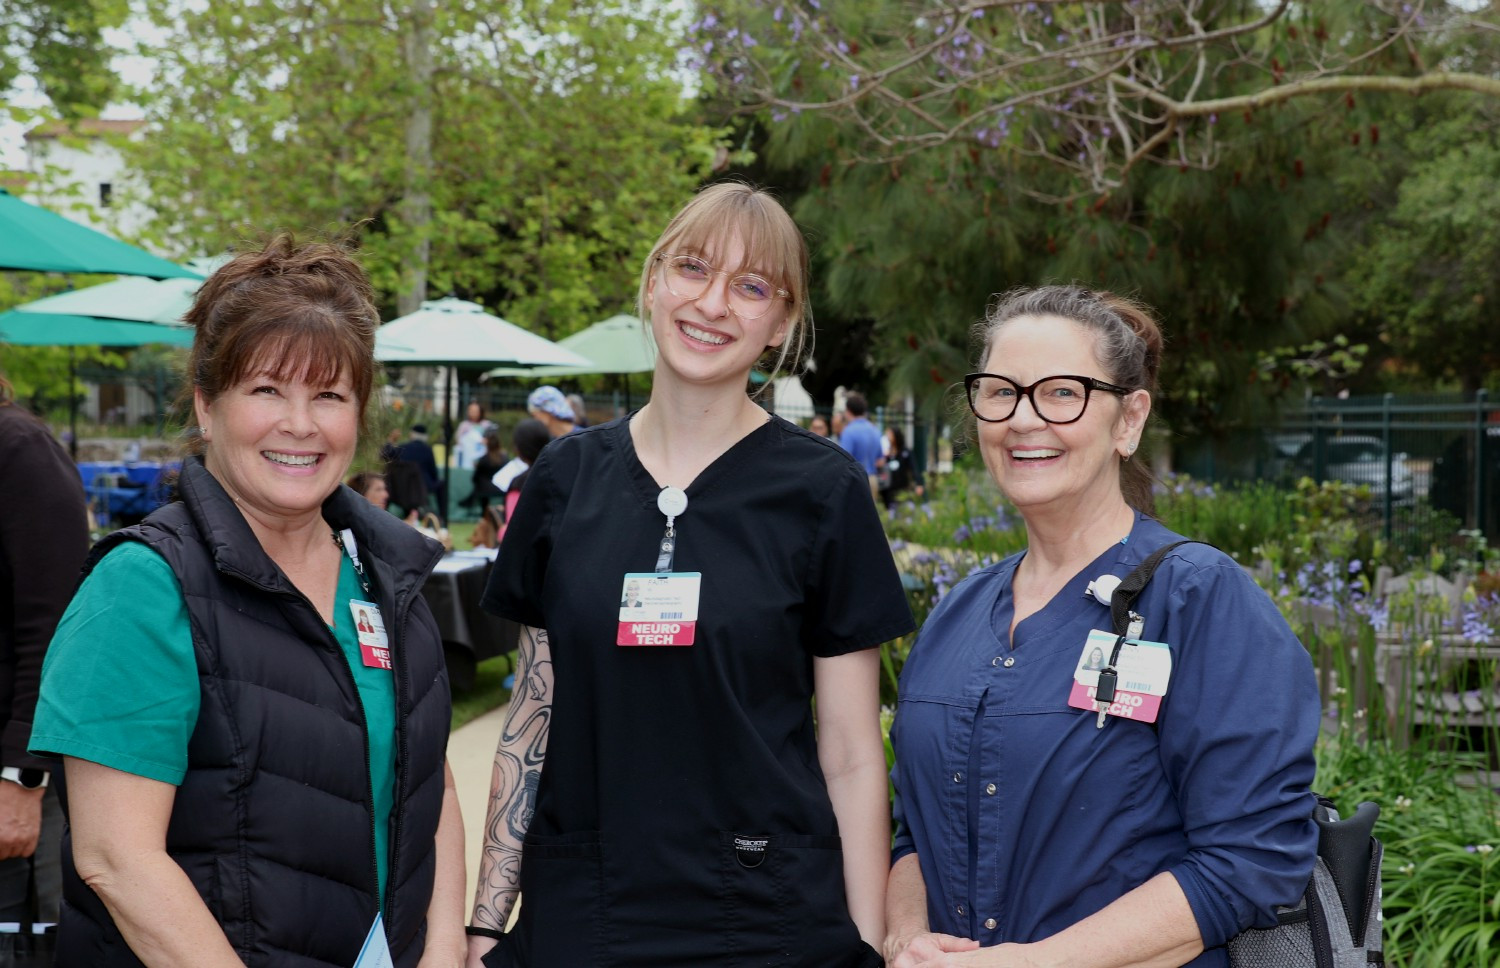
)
(580, 410)
(818, 425)
(860, 438)
(469, 438)
(529, 437)
(548, 405)
(712, 825)
(417, 451)
(229, 738)
(44, 538)
(1033, 828)
(372, 487)
(899, 474)
(485, 468)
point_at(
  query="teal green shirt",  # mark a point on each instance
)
(120, 683)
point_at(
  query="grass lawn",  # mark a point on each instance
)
(487, 692)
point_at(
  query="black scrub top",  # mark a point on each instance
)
(682, 818)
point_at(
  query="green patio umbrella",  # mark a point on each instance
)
(619, 344)
(129, 298)
(21, 328)
(34, 239)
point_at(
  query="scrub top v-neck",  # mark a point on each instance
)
(682, 817)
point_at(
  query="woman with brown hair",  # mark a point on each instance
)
(689, 812)
(251, 778)
(1037, 826)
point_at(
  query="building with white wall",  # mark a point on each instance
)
(77, 170)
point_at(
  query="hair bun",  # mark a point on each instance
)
(1144, 325)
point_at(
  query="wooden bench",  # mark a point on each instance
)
(1456, 683)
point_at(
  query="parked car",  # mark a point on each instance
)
(1278, 457)
(1358, 460)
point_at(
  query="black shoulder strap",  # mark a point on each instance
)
(1130, 589)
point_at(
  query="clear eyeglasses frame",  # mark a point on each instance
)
(1060, 399)
(688, 277)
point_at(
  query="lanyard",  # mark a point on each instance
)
(345, 540)
(672, 501)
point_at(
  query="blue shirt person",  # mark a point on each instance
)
(859, 437)
(1023, 826)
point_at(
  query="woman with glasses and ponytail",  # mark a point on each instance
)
(689, 812)
(1035, 825)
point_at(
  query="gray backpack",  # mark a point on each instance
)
(1338, 921)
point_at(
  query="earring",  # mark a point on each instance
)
(1129, 452)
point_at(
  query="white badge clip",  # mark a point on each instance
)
(671, 501)
(1103, 588)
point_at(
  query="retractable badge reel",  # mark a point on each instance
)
(672, 501)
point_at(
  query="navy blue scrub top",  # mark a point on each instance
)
(660, 759)
(1026, 818)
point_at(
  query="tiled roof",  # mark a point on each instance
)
(86, 128)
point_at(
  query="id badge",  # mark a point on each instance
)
(1144, 668)
(659, 609)
(376, 952)
(374, 647)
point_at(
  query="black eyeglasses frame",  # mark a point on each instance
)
(1090, 384)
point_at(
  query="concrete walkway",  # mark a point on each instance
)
(471, 752)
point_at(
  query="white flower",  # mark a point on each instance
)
(1482, 848)
(1403, 803)
(1408, 869)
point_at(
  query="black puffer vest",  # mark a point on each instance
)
(273, 822)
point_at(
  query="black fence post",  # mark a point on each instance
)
(1390, 457)
(1481, 510)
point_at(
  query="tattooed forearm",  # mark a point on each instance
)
(513, 783)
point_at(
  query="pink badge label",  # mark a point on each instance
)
(1127, 705)
(656, 633)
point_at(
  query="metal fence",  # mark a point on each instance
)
(1431, 462)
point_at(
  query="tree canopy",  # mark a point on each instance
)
(557, 139)
(59, 44)
(944, 152)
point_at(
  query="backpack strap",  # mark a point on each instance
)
(1123, 599)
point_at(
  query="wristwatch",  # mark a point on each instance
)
(28, 777)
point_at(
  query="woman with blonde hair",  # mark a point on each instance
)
(689, 813)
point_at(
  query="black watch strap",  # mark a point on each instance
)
(29, 777)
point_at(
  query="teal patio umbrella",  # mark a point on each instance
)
(19, 328)
(37, 240)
